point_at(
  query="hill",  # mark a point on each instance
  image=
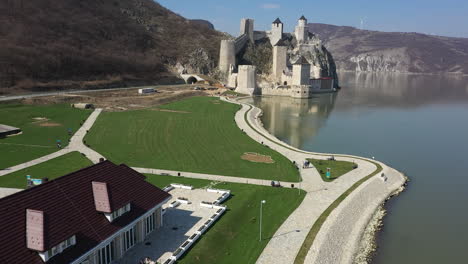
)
(373, 51)
(203, 23)
(46, 44)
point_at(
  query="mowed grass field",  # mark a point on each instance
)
(51, 169)
(194, 135)
(38, 137)
(337, 168)
(235, 237)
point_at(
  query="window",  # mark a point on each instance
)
(149, 224)
(106, 254)
(61, 247)
(129, 238)
(119, 212)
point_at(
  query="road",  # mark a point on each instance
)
(24, 96)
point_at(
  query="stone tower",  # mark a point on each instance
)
(280, 53)
(301, 31)
(301, 72)
(246, 82)
(227, 55)
(247, 27)
(276, 31)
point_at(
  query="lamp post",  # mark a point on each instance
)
(261, 208)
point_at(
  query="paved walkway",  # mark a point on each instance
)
(76, 144)
(212, 177)
(285, 244)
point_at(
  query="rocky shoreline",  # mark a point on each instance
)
(368, 246)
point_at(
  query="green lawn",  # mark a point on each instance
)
(337, 168)
(51, 169)
(234, 238)
(36, 140)
(201, 137)
(229, 92)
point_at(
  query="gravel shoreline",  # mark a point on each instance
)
(368, 246)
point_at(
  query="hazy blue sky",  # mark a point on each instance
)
(447, 17)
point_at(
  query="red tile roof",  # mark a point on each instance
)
(69, 209)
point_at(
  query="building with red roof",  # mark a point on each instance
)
(93, 215)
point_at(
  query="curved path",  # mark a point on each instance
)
(342, 230)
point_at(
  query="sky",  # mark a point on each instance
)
(446, 18)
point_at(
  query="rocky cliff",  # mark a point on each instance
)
(260, 54)
(46, 44)
(374, 51)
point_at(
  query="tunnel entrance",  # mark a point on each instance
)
(192, 80)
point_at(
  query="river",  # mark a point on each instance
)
(417, 124)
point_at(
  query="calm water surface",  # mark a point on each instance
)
(417, 124)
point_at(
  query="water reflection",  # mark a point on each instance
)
(297, 121)
(293, 118)
(402, 90)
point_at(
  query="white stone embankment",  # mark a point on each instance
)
(338, 239)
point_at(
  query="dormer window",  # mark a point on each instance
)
(58, 248)
(119, 212)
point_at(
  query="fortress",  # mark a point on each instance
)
(291, 74)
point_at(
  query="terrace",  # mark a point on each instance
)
(183, 224)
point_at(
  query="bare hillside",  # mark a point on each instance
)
(47, 44)
(374, 51)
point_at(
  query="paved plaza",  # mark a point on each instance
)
(179, 224)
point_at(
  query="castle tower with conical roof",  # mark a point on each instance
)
(301, 31)
(276, 33)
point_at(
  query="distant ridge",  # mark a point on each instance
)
(374, 51)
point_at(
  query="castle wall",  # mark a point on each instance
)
(279, 61)
(286, 79)
(258, 35)
(301, 91)
(246, 82)
(247, 27)
(278, 91)
(232, 80)
(321, 85)
(315, 84)
(301, 74)
(227, 55)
